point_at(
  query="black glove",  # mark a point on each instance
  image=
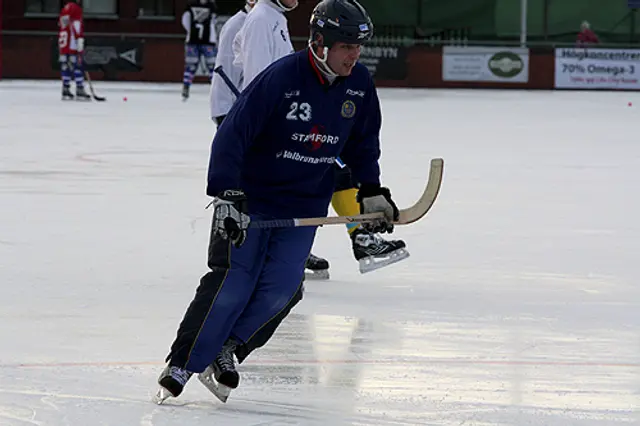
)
(375, 198)
(230, 216)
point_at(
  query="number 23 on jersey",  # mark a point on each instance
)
(299, 111)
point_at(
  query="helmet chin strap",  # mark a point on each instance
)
(283, 7)
(322, 62)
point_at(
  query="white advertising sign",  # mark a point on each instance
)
(597, 68)
(485, 64)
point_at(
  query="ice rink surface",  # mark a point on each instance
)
(519, 305)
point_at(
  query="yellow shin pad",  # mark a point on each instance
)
(345, 204)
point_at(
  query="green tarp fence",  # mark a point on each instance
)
(548, 20)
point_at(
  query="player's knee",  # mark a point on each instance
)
(210, 283)
(191, 60)
(283, 301)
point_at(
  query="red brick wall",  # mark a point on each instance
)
(13, 19)
(163, 59)
(29, 57)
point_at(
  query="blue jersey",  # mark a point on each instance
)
(280, 139)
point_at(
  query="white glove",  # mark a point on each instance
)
(374, 199)
(230, 218)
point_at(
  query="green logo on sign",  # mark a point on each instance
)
(506, 64)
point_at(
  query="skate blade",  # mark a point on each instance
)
(373, 263)
(317, 275)
(161, 396)
(218, 390)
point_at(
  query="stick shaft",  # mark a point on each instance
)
(315, 221)
(220, 71)
(409, 215)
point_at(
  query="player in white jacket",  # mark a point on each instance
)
(222, 98)
(264, 37)
(250, 41)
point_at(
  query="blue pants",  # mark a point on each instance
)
(343, 180)
(71, 66)
(192, 55)
(246, 288)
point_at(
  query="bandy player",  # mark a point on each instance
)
(71, 46)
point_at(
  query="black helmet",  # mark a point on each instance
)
(343, 21)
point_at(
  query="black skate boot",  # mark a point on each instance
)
(221, 376)
(185, 92)
(81, 95)
(373, 252)
(316, 268)
(66, 94)
(172, 381)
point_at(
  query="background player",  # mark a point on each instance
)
(221, 96)
(264, 38)
(71, 47)
(199, 21)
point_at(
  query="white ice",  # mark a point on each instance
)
(518, 306)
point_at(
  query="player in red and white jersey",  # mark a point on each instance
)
(71, 47)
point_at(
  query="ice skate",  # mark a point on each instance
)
(81, 95)
(221, 376)
(316, 268)
(66, 94)
(185, 92)
(373, 252)
(172, 381)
